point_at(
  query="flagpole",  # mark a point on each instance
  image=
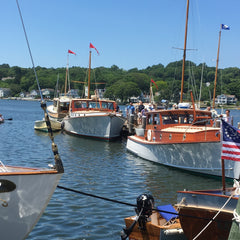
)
(65, 91)
(223, 176)
(89, 73)
(215, 81)
(184, 52)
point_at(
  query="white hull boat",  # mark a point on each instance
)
(24, 195)
(203, 158)
(186, 139)
(41, 125)
(93, 119)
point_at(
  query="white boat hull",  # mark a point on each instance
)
(96, 125)
(26, 203)
(202, 158)
(42, 126)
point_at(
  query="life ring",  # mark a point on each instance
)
(149, 135)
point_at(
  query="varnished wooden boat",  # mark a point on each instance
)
(156, 229)
(187, 139)
(197, 209)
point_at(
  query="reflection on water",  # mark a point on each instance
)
(97, 167)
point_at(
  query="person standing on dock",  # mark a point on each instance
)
(130, 109)
(140, 108)
(228, 118)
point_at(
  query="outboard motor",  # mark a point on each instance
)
(145, 204)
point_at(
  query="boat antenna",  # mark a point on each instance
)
(58, 162)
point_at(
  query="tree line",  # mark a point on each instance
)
(123, 84)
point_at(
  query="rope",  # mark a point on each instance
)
(236, 217)
(58, 162)
(133, 205)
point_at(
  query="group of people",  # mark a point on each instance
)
(140, 110)
(226, 117)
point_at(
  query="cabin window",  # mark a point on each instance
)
(170, 119)
(110, 106)
(94, 105)
(84, 104)
(55, 103)
(150, 119)
(104, 105)
(64, 106)
(156, 119)
(77, 105)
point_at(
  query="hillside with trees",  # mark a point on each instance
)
(123, 84)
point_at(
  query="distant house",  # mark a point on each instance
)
(32, 94)
(47, 93)
(226, 99)
(5, 92)
(7, 78)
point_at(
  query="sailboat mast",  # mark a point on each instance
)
(89, 73)
(184, 52)
(215, 80)
(65, 91)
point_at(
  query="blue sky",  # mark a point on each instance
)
(127, 33)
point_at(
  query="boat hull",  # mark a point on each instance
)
(21, 208)
(197, 208)
(200, 157)
(42, 126)
(101, 126)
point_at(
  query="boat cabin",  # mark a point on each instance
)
(89, 104)
(167, 118)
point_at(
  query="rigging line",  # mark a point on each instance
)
(134, 205)
(25, 33)
(58, 162)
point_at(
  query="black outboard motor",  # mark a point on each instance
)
(145, 204)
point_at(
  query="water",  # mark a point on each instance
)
(100, 168)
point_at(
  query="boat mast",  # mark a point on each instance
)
(184, 52)
(215, 80)
(89, 73)
(65, 91)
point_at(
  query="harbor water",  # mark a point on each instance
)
(105, 169)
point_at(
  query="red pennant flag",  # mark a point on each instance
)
(69, 51)
(154, 84)
(91, 46)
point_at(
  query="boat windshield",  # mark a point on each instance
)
(93, 105)
(177, 118)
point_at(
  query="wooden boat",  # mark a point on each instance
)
(182, 138)
(41, 125)
(161, 223)
(212, 209)
(94, 118)
(198, 208)
(156, 229)
(185, 138)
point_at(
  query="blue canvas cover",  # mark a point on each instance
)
(167, 208)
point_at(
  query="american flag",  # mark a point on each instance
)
(230, 142)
